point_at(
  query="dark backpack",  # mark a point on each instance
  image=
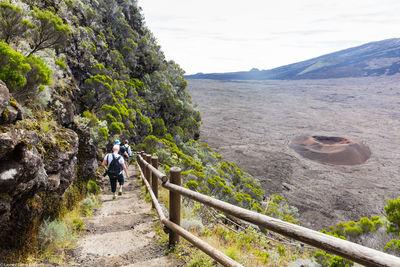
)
(122, 150)
(114, 168)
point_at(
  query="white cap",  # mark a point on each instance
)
(116, 147)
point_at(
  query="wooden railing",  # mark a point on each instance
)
(344, 248)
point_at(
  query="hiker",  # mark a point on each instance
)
(129, 151)
(122, 150)
(116, 164)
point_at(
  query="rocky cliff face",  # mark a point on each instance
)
(34, 172)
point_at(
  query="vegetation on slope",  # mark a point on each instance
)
(380, 233)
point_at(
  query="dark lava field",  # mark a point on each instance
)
(251, 123)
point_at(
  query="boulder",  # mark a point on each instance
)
(4, 96)
(10, 110)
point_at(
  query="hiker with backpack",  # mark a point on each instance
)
(123, 151)
(129, 151)
(116, 164)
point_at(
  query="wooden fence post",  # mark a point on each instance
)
(154, 179)
(138, 164)
(141, 163)
(174, 205)
(148, 171)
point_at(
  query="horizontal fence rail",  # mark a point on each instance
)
(358, 253)
(206, 248)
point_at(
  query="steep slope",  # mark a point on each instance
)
(371, 59)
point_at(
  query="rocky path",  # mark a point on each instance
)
(121, 232)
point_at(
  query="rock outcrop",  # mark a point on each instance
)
(36, 167)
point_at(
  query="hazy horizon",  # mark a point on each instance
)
(229, 36)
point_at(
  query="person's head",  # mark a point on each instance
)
(115, 148)
(126, 142)
(117, 142)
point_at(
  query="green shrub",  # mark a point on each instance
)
(353, 229)
(145, 125)
(280, 209)
(61, 64)
(159, 128)
(169, 137)
(103, 133)
(328, 260)
(393, 245)
(232, 253)
(281, 250)
(22, 75)
(367, 225)
(92, 188)
(393, 215)
(78, 225)
(13, 67)
(88, 205)
(110, 118)
(116, 127)
(193, 185)
(53, 234)
(38, 75)
(199, 259)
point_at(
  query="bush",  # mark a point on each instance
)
(92, 188)
(39, 75)
(53, 234)
(13, 67)
(393, 215)
(78, 225)
(193, 185)
(88, 205)
(116, 127)
(393, 246)
(145, 125)
(159, 128)
(22, 75)
(61, 64)
(328, 260)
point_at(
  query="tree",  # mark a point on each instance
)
(49, 31)
(12, 24)
(38, 76)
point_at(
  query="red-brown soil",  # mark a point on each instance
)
(331, 150)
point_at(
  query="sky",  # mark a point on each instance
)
(229, 35)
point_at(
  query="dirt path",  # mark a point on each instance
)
(121, 232)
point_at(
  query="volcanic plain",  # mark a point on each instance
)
(251, 123)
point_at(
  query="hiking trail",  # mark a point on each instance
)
(121, 232)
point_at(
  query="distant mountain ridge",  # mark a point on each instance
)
(371, 59)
